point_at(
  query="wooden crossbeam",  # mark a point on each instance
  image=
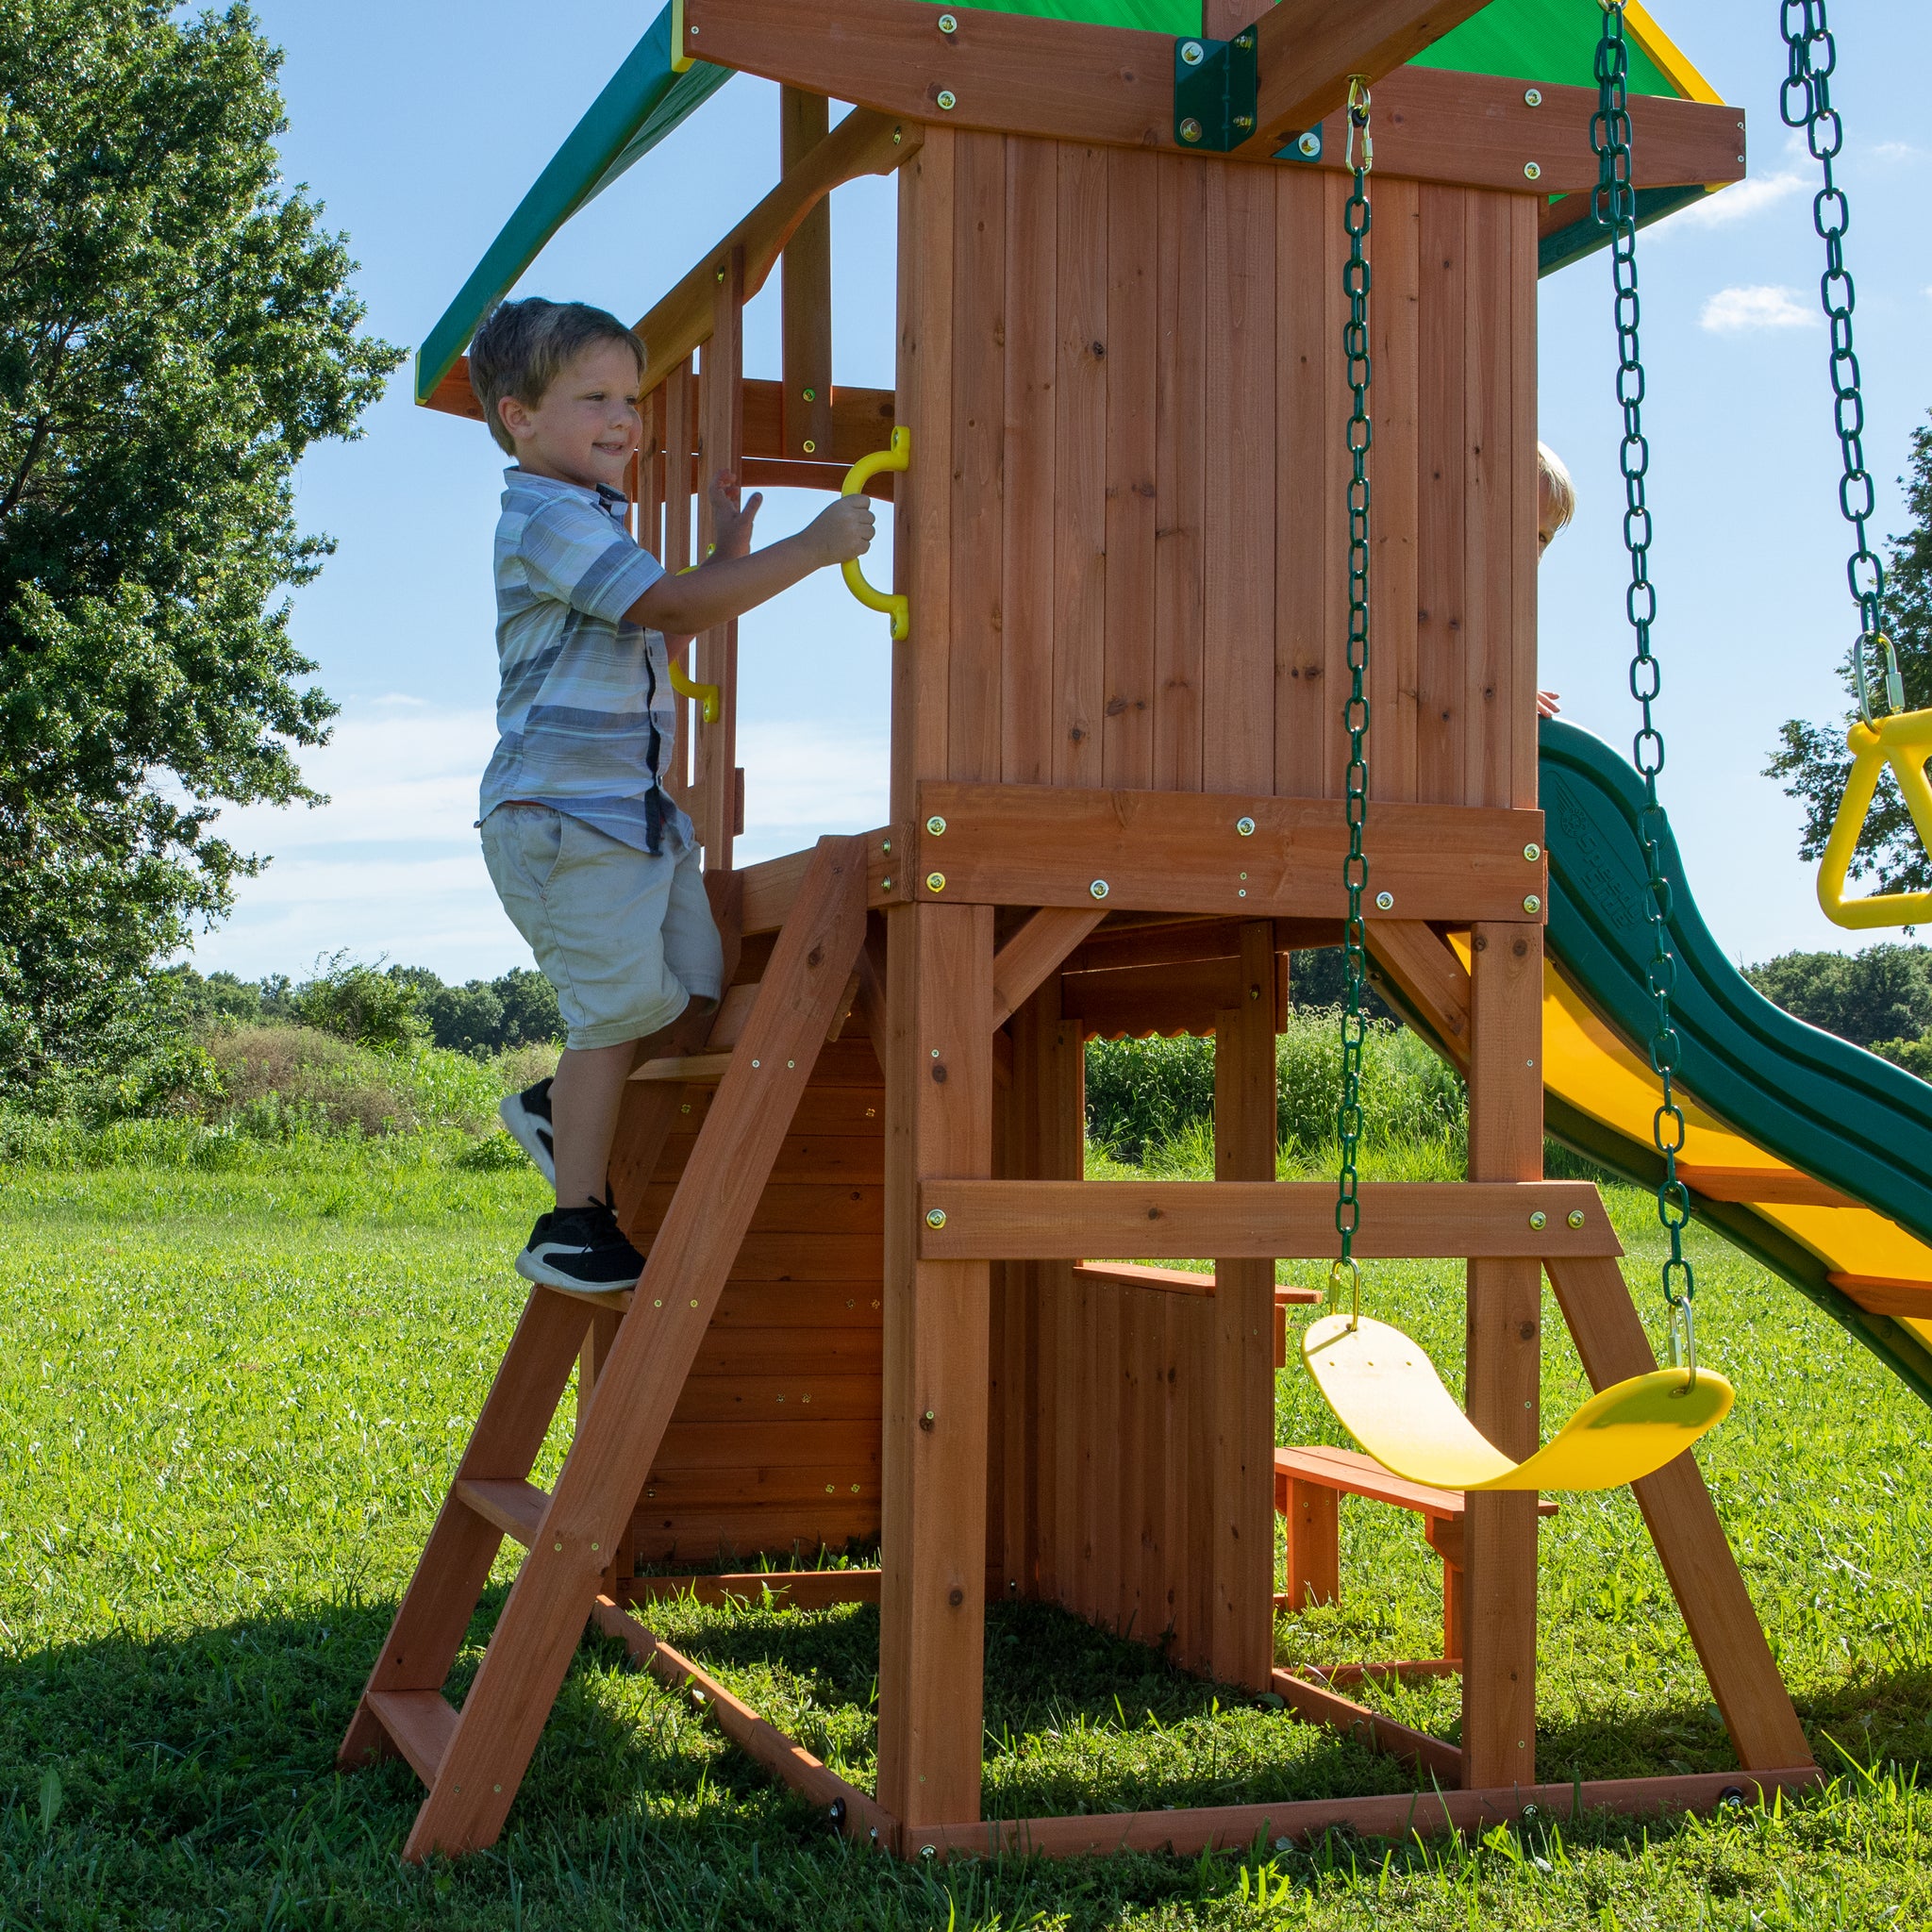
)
(1187, 851)
(1307, 50)
(1021, 966)
(1015, 1221)
(1113, 87)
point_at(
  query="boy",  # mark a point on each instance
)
(596, 865)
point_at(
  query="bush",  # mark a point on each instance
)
(1149, 1093)
(357, 1003)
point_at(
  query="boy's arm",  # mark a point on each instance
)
(727, 587)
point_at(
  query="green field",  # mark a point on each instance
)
(233, 1381)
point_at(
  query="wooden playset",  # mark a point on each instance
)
(878, 1304)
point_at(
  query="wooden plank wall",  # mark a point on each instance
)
(1142, 425)
(775, 1442)
(1125, 540)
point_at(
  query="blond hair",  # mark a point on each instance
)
(1556, 494)
(523, 347)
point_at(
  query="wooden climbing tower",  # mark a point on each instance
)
(879, 1300)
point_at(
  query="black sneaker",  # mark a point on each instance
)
(528, 1117)
(581, 1248)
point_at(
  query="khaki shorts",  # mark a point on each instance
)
(625, 937)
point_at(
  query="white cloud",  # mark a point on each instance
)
(1897, 151)
(1732, 312)
(392, 865)
(1741, 201)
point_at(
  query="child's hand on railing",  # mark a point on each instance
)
(843, 531)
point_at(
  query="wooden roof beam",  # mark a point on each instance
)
(1308, 50)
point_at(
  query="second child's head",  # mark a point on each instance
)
(1556, 496)
(558, 383)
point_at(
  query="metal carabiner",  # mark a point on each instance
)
(1354, 1278)
(1358, 118)
(1894, 681)
(1684, 1319)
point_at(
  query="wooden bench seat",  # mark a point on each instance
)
(1308, 1488)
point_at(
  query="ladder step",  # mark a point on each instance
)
(420, 1724)
(515, 1507)
(693, 1068)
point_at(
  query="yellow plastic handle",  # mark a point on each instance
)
(1904, 741)
(687, 686)
(898, 457)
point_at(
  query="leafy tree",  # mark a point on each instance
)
(1873, 998)
(359, 1004)
(175, 330)
(1812, 760)
(484, 1017)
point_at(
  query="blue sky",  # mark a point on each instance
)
(421, 126)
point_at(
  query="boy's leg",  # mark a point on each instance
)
(585, 1097)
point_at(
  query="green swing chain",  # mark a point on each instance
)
(1804, 102)
(1615, 209)
(1355, 279)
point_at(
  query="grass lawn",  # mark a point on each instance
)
(230, 1399)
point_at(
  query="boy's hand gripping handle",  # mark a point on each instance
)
(898, 457)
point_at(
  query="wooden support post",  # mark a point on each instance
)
(1242, 1650)
(805, 287)
(679, 392)
(1313, 1521)
(932, 1616)
(721, 446)
(1683, 1523)
(1506, 1142)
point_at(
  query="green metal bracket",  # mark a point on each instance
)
(1216, 85)
(1306, 147)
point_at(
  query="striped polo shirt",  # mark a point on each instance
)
(585, 713)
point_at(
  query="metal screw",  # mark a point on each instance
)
(1385, 902)
(1531, 902)
(949, 24)
(898, 135)
(754, 1063)
(809, 445)
(885, 885)
(1532, 98)
(558, 1547)
(792, 1063)
(1245, 827)
(1190, 129)
(1098, 888)
(1532, 171)
(811, 395)
(948, 100)
(1245, 41)
(1243, 120)
(1532, 853)
(1576, 1217)
(1538, 1220)
(935, 1217)
(1192, 53)
(936, 826)
(935, 1053)
(593, 1546)
(1243, 893)
(657, 1304)
(1309, 144)
(935, 882)
(694, 1302)
(926, 1421)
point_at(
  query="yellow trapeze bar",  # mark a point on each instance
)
(1904, 741)
(1385, 1392)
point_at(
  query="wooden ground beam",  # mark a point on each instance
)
(1503, 1327)
(1226, 1827)
(1245, 1140)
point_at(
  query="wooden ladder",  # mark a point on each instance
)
(472, 1759)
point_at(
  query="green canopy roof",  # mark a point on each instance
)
(647, 98)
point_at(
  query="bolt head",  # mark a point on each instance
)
(949, 23)
(1532, 853)
(1538, 1220)
(1385, 902)
(1309, 144)
(811, 395)
(1192, 53)
(1576, 1217)
(1531, 902)
(1532, 98)
(1532, 171)
(1190, 129)
(1245, 827)
(948, 100)
(936, 826)
(1098, 888)
(1243, 121)
(809, 445)
(935, 882)
(935, 1217)
(885, 885)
